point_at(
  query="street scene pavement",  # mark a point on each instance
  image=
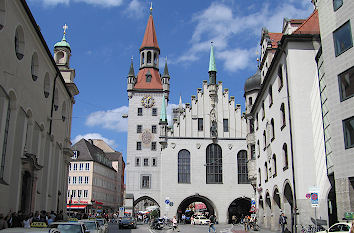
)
(188, 228)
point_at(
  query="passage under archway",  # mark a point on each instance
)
(239, 208)
(196, 204)
(145, 204)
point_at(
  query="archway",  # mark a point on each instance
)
(268, 211)
(26, 192)
(276, 207)
(195, 204)
(145, 204)
(260, 210)
(239, 208)
(289, 205)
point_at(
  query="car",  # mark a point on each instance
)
(92, 225)
(69, 227)
(201, 220)
(338, 227)
(128, 222)
(103, 224)
(29, 230)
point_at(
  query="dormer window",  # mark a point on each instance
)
(148, 77)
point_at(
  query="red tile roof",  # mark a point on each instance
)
(297, 21)
(150, 39)
(155, 83)
(274, 38)
(310, 26)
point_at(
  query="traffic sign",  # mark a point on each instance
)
(253, 202)
(314, 199)
(171, 203)
(167, 201)
(308, 195)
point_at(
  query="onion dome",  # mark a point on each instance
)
(253, 83)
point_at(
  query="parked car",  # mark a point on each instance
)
(69, 227)
(29, 230)
(128, 222)
(338, 227)
(201, 220)
(103, 224)
(92, 226)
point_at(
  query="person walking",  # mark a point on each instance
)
(3, 223)
(174, 224)
(282, 222)
(212, 223)
(245, 222)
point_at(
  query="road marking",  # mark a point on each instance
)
(151, 231)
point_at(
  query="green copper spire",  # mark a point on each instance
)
(63, 42)
(131, 70)
(212, 66)
(163, 115)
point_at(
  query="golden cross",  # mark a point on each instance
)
(65, 27)
(151, 8)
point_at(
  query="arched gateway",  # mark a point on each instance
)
(210, 207)
(239, 208)
(143, 203)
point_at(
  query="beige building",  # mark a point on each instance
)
(36, 100)
(94, 181)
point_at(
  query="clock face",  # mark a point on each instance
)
(147, 101)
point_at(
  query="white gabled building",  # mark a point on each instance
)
(202, 158)
(36, 100)
(287, 136)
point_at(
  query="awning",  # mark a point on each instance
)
(76, 206)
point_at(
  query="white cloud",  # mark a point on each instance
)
(219, 24)
(110, 119)
(135, 9)
(94, 136)
(102, 3)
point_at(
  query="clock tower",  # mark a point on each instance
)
(146, 92)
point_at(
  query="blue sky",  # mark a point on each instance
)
(105, 34)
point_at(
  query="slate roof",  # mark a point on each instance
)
(114, 156)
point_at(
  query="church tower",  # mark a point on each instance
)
(147, 92)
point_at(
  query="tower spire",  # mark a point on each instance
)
(131, 70)
(165, 71)
(163, 115)
(150, 38)
(212, 66)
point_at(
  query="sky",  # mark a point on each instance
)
(105, 34)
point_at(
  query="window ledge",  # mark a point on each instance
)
(285, 168)
(282, 127)
(275, 175)
(348, 97)
(349, 147)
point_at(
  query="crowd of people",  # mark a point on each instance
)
(20, 219)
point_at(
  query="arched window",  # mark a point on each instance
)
(280, 77)
(149, 57)
(259, 177)
(19, 43)
(274, 159)
(270, 92)
(184, 167)
(46, 88)
(63, 112)
(6, 114)
(34, 66)
(258, 149)
(142, 58)
(272, 129)
(285, 157)
(249, 101)
(242, 169)
(263, 110)
(59, 57)
(2, 13)
(155, 58)
(213, 164)
(56, 99)
(264, 139)
(266, 171)
(282, 116)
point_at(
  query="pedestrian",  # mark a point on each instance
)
(174, 224)
(212, 223)
(282, 222)
(183, 219)
(245, 223)
(27, 222)
(233, 219)
(3, 223)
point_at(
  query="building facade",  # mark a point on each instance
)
(94, 185)
(36, 101)
(336, 81)
(201, 158)
(284, 117)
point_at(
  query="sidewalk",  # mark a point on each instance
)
(240, 229)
